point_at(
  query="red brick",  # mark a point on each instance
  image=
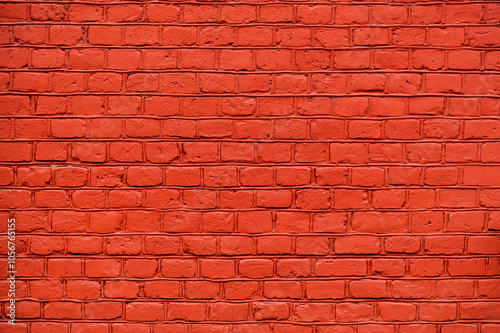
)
(30, 34)
(221, 35)
(200, 13)
(236, 199)
(409, 36)
(466, 267)
(105, 35)
(160, 59)
(293, 222)
(241, 289)
(236, 245)
(103, 310)
(479, 311)
(368, 289)
(236, 147)
(397, 311)
(276, 13)
(162, 13)
(121, 289)
(62, 310)
(254, 36)
(453, 36)
(217, 268)
(238, 106)
(274, 245)
(426, 267)
(228, 311)
(65, 34)
(200, 289)
(293, 268)
(351, 106)
(270, 311)
(143, 311)
(353, 312)
(341, 267)
(441, 128)
(385, 152)
(123, 245)
(389, 14)
(274, 59)
(282, 289)
(237, 152)
(186, 311)
(483, 245)
(357, 245)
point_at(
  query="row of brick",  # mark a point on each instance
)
(231, 176)
(78, 327)
(269, 106)
(216, 176)
(230, 59)
(265, 13)
(378, 131)
(431, 222)
(305, 199)
(266, 269)
(422, 290)
(248, 246)
(247, 152)
(260, 35)
(216, 83)
(260, 311)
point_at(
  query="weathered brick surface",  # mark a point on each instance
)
(262, 166)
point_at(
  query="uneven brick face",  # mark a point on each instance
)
(255, 166)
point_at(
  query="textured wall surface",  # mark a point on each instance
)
(251, 166)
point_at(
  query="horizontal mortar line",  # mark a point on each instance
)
(484, 209)
(364, 3)
(235, 94)
(259, 257)
(406, 278)
(221, 23)
(310, 185)
(257, 3)
(278, 278)
(219, 164)
(67, 116)
(285, 279)
(247, 47)
(178, 209)
(293, 300)
(273, 209)
(291, 322)
(233, 257)
(418, 185)
(242, 210)
(252, 163)
(249, 72)
(263, 234)
(260, 208)
(258, 299)
(222, 164)
(205, 322)
(257, 141)
(244, 187)
(246, 117)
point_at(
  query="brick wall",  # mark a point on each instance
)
(268, 166)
